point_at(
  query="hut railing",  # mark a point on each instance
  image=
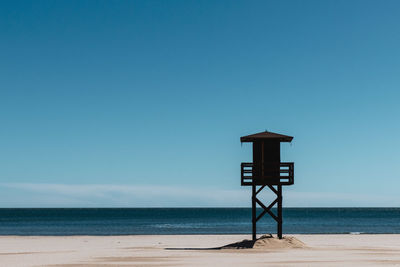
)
(285, 174)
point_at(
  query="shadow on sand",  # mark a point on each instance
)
(245, 244)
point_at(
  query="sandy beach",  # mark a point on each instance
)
(195, 250)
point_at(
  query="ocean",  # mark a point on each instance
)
(148, 221)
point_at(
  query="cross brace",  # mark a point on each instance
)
(255, 201)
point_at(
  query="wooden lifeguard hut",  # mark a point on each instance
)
(267, 170)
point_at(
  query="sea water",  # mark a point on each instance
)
(147, 221)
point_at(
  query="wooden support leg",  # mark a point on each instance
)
(253, 211)
(280, 211)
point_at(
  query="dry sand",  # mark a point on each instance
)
(200, 250)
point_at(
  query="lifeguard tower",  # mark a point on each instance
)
(267, 170)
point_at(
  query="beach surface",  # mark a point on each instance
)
(197, 250)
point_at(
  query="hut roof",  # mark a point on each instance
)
(266, 135)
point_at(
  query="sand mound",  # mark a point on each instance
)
(267, 242)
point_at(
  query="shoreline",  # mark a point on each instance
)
(195, 250)
(194, 234)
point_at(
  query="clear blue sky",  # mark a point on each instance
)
(142, 103)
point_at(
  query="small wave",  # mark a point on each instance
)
(191, 225)
(356, 233)
(172, 226)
